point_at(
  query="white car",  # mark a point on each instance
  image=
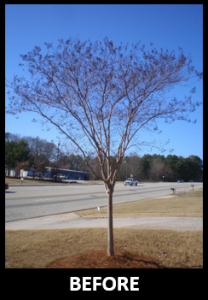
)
(62, 176)
(131, 181)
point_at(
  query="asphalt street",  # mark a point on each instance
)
(26, 202)
(46, 207)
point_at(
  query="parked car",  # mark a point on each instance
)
(131, 181)
(6, 186)
(180, 181)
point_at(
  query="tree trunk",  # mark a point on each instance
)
(110, 248)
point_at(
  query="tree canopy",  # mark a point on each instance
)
(100, 96)
(144, 168)
(16, 152)
(101, 93)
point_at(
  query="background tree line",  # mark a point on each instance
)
(36, 154)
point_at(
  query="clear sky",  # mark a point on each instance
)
(166, 26)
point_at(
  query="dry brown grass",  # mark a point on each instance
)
(86, 248)
(189, 204)
(29, 181)
(12, 181)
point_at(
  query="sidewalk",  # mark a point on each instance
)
(71, 220)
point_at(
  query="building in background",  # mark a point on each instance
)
(62, 174)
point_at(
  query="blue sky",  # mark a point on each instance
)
(166, 26)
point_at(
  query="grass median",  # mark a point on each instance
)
(188, 204)
(13, 181)
(134, 248)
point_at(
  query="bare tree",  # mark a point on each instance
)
(100, 96)
(22, 165)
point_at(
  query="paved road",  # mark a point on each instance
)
(32, 202)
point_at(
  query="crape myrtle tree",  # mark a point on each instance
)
(100, 96)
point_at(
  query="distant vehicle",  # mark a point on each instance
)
(180, 181)
(62, 177)
(6, 186)
(191, 181)
(131, 181)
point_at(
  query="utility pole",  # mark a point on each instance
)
(57, 161)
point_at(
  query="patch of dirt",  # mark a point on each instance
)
(99, 259)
